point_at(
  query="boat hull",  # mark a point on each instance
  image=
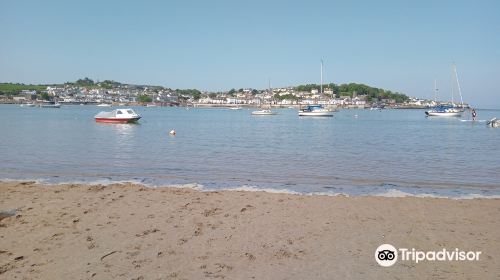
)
(50, 106)
(443, 114)
(315, 114)
(263, 113)
(117, 120)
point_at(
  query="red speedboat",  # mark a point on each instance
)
(118, 116)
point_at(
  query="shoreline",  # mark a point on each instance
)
(129, 231)
(394, 191)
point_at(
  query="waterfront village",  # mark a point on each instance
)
(86, 92)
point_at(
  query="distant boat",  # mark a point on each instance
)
(104, 105)
(153, 104)
(444, 111)
(265, 112)
(51, 104)
(493, 122)
(118, 116)
(235, 108)
(28, 105)
(449, 110)
(316, 110)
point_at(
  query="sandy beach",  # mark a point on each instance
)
(132, 232)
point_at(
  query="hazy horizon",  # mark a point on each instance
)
(402, 47)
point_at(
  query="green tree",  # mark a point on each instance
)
(196, 94)
(285, 96)
(45, 96)
(372, 93)
(232, 92)
(85, 82)
(144, 98)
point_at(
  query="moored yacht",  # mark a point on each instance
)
(444, 111)
(449, 110)
(264, 112)
(315, 111)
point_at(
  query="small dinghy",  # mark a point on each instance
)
(493, 122)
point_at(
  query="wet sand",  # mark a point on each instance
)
(131, 232)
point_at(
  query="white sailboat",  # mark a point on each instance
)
(153, 104)
(265, 112)
(449, 110)
(316, 110)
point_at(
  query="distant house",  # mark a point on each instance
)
(26, 92)
(19, 98)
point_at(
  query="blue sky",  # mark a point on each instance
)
(217, 45)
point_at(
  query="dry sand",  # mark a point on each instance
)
(133, 232)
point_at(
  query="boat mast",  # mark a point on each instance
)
(271, 93)
(452, 86)
(458, 84)
(321, 81)
(435, 91)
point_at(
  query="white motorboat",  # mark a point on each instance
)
(104, 105)
(118, 116)
(315, 111)
(264, 113)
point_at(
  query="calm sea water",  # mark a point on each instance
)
(355, 152)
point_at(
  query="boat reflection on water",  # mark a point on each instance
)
(119, 128)
(125, 139)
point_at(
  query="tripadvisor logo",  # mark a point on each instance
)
(387, 255)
